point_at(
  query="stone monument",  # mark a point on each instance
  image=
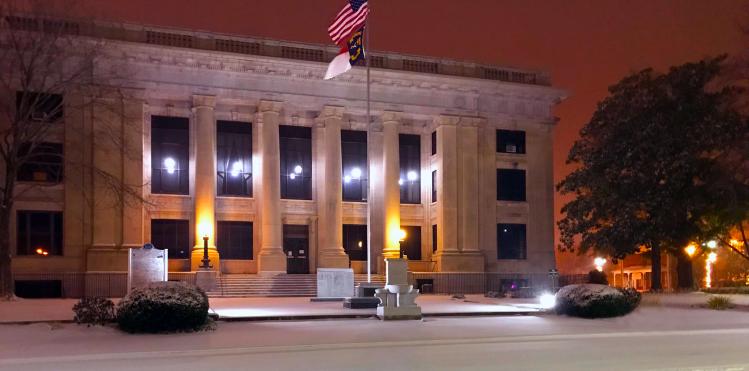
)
(146, 265)
(397, 299)
(334, 283)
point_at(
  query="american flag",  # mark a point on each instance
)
(349, 19)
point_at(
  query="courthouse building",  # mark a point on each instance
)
(241, 140)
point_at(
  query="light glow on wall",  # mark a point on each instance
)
(205, 228)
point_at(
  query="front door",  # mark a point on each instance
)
(296, 248)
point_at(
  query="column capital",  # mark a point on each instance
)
(447, 120)
(391, 117)
(203, 101)
(329, 113)
(269, 106)
(472, 121)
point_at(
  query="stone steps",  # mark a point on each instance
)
(283, 285)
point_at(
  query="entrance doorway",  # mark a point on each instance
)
(296, 248)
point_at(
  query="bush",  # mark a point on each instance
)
(163, 307)
(94, 311)
(598, 278)
(596, 301)
(719, 302)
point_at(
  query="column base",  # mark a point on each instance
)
(196, 255)
(333, 261)
(273, 263)
(459, 262)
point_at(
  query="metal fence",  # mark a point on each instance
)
(80, 284)
(479, 282)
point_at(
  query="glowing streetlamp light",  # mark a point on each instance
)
(711, 258)
(356, 173)
(691, 249)
(170, 165)
(712, 244)
(599, 263)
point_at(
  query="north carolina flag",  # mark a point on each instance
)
(347, 31)
(349, 56)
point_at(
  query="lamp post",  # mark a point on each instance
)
(401, 238)
(206, 262)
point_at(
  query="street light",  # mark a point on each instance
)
(711, 258)
(712, 244)
(599, 263)
(401, 237)
(206, 262)
(690, 249)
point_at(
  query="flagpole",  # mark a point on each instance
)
(369, 168)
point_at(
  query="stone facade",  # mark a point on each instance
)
(204, 85)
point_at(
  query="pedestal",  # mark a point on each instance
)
(205, 279)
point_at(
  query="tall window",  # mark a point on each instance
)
(234, 240)
(296, 162)
(410, 168)
(43, 163)
(434, 238)
(40, 107)
(434, 185)
(39, 233)
(355, 241)
(411, 245)
(510, 141)
(354, 162)
(172, 235)
(170, 159)
(510, 184)
(511, 241)
(434, 143)
(234, 158)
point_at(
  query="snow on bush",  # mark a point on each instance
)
(595, 301)
(163, 307)
(94, 311)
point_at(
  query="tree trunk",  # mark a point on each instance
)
(6, 273)
(684, 271)
(655, 275)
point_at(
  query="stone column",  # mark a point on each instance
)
(331, 253)
(205, 180)
(132, 216)
(447, 191)
(390, 175)
(271, 258)
(468, 188)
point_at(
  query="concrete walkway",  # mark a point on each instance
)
(261, 309)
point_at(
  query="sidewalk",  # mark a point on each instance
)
(692, 300)
(265, 309)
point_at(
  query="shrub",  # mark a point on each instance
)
(163, 307)
(719, 302)
(597, 277)
(94, 311)
(596, 301)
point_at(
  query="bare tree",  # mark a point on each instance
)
(47, 70)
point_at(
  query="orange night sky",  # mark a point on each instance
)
(586, 45)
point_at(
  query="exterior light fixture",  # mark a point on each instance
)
(236, 168)
(599, 263)
(712, 244)
(402, 235)
(356, 173)
(170, 165)
(547, 300)
(292, 176)
(412, 175)
(711, 258)
(400, 181)
(298, 169)
(41, 251)
(360, 244)
(690, 249)
(206, 261)
(347, 179)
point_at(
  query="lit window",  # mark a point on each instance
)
(170, 155)
(410, 166)
(354, 164)
(296, 162)
(39, 233)
(234, 158)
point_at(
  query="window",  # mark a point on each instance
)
(170, 155)
(411, 245)
(43, 163)
(434, 185)
(40, 107)
(234, 158)
(434, 237)
(434, 143)
(234, 240)
(510, 185)
(39, 233)
(296, 162)
(511, 241)
(172, 235)
(354, 163)
(355, 241)
(410, 168)
(510, 141)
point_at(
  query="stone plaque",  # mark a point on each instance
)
(146, 265)
(335, 282)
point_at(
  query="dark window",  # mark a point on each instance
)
(234, 240)
(410, 168)
(43, 163)
(434, 185)
(296, 162)
(434, 238)
(234, 158)
(510, 241)
(39, 233)
(170, 155)
(510, 141)
(172, 235)
(411, 245)
(510, 185)
(434, 143)
(355, 241)
(40, 107)
(354, 162)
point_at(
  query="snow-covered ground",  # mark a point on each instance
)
(649, 338)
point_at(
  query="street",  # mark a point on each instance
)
(650, 338)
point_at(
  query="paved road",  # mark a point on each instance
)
(650, 338)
